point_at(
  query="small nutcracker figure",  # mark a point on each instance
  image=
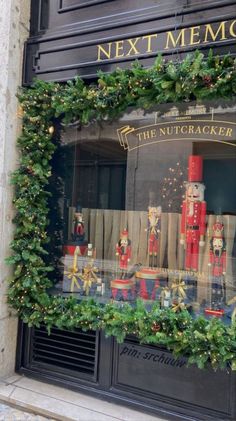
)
(217, 267)
(154, 228)
(193, 221)
(166, 300)
(100, 287)
(123, 252)
(76, 247)
(77, 243)
(91, 251)
(78, 233)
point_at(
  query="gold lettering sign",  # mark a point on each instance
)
(155, 42)
(208, 130)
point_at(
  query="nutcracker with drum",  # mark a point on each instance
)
(217, 269)
(122, 287)
(193, 220)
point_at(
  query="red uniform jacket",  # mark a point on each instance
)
(218, 263)
(193, 221)
(124, 254)
(78, 228)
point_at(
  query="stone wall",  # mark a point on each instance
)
(14, 24)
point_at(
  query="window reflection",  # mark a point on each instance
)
(149, 208)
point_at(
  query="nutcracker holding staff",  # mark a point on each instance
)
(123, 251)
(217, 266)
(154, 228)
(193, 220)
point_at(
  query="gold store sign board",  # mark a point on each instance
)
(194, 36)
(132, 138)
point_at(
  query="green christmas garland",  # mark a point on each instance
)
(195, 78)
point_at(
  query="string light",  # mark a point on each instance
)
(37, 106)
(172, 187)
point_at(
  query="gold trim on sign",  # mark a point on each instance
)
(174, 140)
(124, 131)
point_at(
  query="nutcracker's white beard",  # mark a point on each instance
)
(191, 208)
(195, 191)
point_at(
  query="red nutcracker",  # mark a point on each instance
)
(77, 244)
(123, 251)
(78, 226)
(154, 228)
(193, 221)
(217, 267)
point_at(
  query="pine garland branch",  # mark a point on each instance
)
(195, 78)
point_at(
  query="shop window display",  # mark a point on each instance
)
(149, 209)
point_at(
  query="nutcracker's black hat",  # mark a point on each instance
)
(78, 208)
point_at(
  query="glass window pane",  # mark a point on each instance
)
(148, 206)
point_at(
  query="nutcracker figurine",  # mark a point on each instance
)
(91, 251)
(123, 287)
(154, 228)
(217, 269)
(78, 233)
(166, 299)
(76, 246)
(193, 221)
(123, 251)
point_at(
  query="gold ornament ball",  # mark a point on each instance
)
(51, 129)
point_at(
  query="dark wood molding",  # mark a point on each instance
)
(80, 5)
(63, 45)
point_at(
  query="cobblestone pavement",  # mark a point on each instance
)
(8, 413)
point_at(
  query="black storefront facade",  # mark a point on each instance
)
(77, 38)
